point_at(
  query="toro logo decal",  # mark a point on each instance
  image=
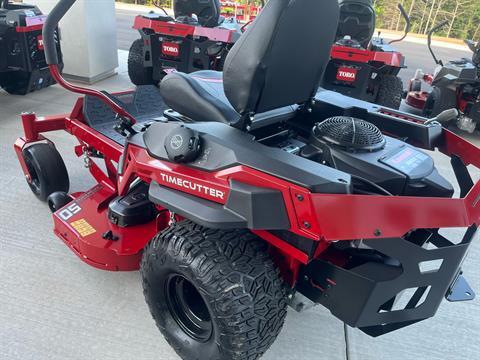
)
(170, 49)
(346, 74)
(176, 142)
(40, 42)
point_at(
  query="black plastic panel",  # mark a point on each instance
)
(374, 286)
(132, 209)
(247, 206)
(225, 147)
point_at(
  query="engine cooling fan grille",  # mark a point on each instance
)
(350, 133)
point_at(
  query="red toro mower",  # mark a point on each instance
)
(454, 85)
(23, 68)
(183, 42)
(361, 66)
(240, 193)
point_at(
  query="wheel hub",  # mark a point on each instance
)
(188, 308)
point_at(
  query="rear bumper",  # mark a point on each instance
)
(382, 296)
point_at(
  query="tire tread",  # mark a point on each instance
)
(240, 279)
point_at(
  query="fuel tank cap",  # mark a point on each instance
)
(183, 145)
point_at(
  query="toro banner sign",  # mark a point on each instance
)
(347, 74)
(170, 49)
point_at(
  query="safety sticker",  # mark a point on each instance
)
(83, 227)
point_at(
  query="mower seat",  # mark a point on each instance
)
(210, 102)
(357, 20)
(160, 17)
(261, 72)
(207, 11)
(205, 93)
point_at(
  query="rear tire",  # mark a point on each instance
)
(138, 73)
(47, 170)
(16, 82)
(390, 92)
(440, 99)
(229, 283)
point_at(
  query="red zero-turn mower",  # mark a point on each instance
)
(183, 43)
(455, 85)
(23, 68)
(240, 193)
(362, 66)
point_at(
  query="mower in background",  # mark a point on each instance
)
(455, 84)
(196, 38)
(362, 66)
(23, 68)
(242, 192)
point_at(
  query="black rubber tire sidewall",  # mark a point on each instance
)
(49, 168)
(439, 100)
(138, 73)
(182, 249)
(180, 341)
(16, 82)
(58, 200)
(390, 92)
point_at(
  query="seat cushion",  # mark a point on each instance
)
(199, 96)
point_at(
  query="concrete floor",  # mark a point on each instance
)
(55, 307)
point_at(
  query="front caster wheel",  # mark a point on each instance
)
(213, 294)
(47, 171)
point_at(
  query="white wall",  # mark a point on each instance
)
(89, 38)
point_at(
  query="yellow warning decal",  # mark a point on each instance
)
(83, 227)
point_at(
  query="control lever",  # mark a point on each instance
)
(444, 117)
(124, 126)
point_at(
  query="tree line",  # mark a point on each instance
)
(463, 16)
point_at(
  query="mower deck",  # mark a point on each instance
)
(90, 234)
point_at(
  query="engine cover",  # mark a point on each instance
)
(395, 166)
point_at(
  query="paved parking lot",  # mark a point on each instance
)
(53, 306)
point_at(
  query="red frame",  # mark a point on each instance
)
(24, 29)
(183, 30)
(34, 23)
(345, 53)
(319, 217)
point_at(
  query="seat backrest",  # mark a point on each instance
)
(281, 58)
(357, 20)
(476, 55)
(207, 11)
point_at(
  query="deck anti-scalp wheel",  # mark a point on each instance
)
(47, 170)
(213, 294)
(58, 200)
